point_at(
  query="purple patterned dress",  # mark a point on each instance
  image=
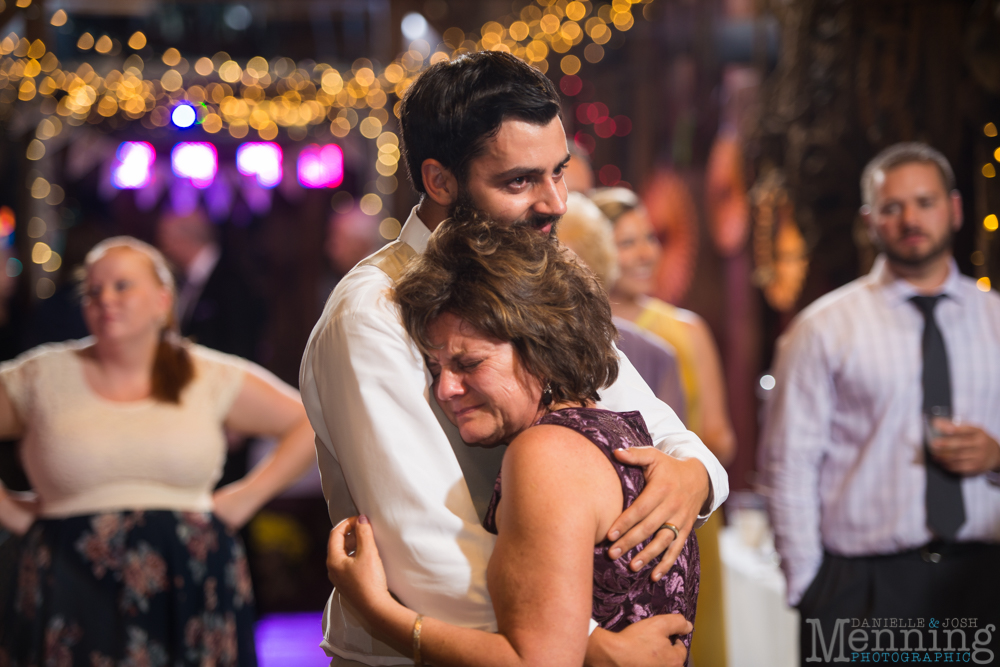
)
(621, 596)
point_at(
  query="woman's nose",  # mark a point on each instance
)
(449, 385)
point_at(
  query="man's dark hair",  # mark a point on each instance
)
(454, 107)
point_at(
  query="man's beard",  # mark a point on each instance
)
(464, 202)
(943, 246)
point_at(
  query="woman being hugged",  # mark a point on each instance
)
(519, 339)
(128, 556)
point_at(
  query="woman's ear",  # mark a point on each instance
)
(439, 183)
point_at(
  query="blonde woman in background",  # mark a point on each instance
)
(128, 556)
(639, 253)
(587, 232)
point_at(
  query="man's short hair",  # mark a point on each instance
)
(454, 107)
(518, 286)
(896, 156)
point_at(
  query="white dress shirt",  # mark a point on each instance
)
(842, 446)
(385, 449)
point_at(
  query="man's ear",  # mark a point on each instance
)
(868, 215)
(439, 183)
(955, 201)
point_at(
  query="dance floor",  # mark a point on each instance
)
(291, 639)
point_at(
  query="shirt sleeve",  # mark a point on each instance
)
(794, 440)
(365, 389)
(630, 392)
(18, 377)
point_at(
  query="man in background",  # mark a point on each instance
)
(880, 446)
(216, 305)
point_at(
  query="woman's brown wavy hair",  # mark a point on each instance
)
(516, 285)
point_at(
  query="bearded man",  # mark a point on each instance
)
(880, 444)
(481, 131)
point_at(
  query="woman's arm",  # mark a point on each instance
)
(266, 406)
(17, 511)
(560, 496)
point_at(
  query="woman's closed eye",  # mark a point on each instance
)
(468, 365)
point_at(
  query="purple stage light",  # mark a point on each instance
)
(261, 159)
(195, 160)
(321, 167)
(133, 165)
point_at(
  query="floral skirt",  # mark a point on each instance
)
(124, 589)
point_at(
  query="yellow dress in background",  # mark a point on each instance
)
(708, 647)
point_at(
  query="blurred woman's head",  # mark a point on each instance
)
(128, 298)
(585, 230)
(506, 319)
(639, 248)
(127, 289)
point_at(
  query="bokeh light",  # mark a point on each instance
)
(183, 116)
(195, 160)
(262, 160)
(321, 167)
(133, 165)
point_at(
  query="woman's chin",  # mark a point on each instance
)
(474, 438)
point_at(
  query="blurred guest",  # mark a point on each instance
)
(217, 305)
(701, 371)
(585, 231)
(350, 237)
(128, 556)
(882, 506)
(579, 174)
(639, 253)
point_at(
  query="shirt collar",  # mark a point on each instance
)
(415, 232)
(897, 290)
(202, 265)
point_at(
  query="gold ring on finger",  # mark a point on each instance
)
(677, 531)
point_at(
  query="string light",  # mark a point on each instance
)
(286, 96)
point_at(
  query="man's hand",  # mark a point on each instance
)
(675, 493)
(964, 449)
(651, 641)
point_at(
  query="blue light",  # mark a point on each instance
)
(183, 115)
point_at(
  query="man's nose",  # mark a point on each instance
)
(552, 199)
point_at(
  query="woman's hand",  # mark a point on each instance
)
(355, 568)
(17, 510)
(232, 507)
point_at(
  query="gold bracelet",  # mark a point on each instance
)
(417, 624)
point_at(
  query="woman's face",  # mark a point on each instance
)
(480, 383)
(638, 253)
(122, 297)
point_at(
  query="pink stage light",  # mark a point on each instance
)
(133, 165)
(196, 160)
(321, 167)
(261, 159)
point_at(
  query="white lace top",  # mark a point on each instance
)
(84, 453)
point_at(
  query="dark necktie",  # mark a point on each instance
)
(945, 508)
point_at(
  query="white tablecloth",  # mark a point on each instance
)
(761, 629)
